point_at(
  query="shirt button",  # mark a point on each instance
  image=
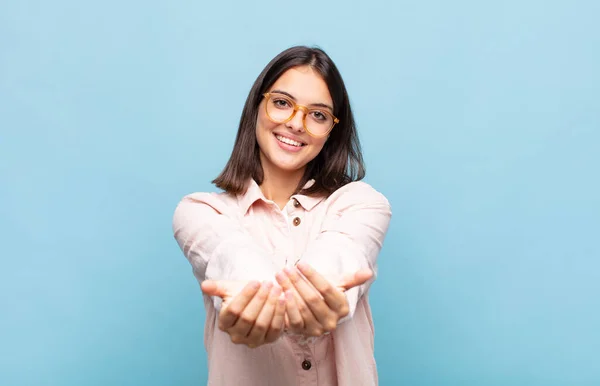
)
(296, 221)
(306, 365)
(296, 203)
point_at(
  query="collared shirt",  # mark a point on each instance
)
(248, 237)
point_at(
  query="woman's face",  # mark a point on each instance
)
(287, 146)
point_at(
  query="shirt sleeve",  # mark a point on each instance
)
(215, 243)
(351, 236)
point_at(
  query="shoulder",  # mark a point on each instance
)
(222, 203)
(357, 194)
(202, 209)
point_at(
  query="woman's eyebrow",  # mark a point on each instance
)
(294, 99)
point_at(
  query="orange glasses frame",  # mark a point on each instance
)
(305, 110)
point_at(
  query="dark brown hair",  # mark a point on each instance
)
(338, 163)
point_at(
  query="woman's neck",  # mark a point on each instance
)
(279, 185)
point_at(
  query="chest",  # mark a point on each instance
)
(283, 233)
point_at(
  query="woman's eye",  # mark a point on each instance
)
(318, 115)
(281, 103)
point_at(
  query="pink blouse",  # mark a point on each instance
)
(248, 237)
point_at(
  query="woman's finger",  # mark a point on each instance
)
(311, 297)
(293, 318)
(357, 278)
(296, 322)
(333, 297)
(277, 322)
(260, 328)
(212, 288)
(312, 327)
(296, 304)
(283, 281)
(248, 316)
(231, 312)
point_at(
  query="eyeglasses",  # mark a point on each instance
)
(318, 122)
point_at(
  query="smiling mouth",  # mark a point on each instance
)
(288, 141)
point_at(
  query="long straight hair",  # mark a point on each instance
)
(338, 163)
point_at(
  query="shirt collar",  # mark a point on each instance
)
(253, 194)
(308, 202)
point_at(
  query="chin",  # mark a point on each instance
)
(276, 160)
(289, 167)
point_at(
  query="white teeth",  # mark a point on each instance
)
(288, 141)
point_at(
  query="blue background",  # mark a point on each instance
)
(480, 122)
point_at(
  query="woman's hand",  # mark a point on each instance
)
(314, 305)
(251, 313)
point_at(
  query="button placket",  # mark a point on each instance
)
(306, 365)
(296, 220)
(295, 212)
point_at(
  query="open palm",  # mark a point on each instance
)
(251, 313)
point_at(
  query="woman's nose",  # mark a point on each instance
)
(297, 121)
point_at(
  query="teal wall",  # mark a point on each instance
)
(480, 122)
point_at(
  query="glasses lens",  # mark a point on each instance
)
(279, 108)
(319, 122)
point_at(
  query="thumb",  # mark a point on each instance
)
(355, 279)
(213, 288)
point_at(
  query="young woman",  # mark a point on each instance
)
(286, 254)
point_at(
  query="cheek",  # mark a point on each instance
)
(263, 133)
(260, 129)
(316, 148)
(318, 144)
(263, 124)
